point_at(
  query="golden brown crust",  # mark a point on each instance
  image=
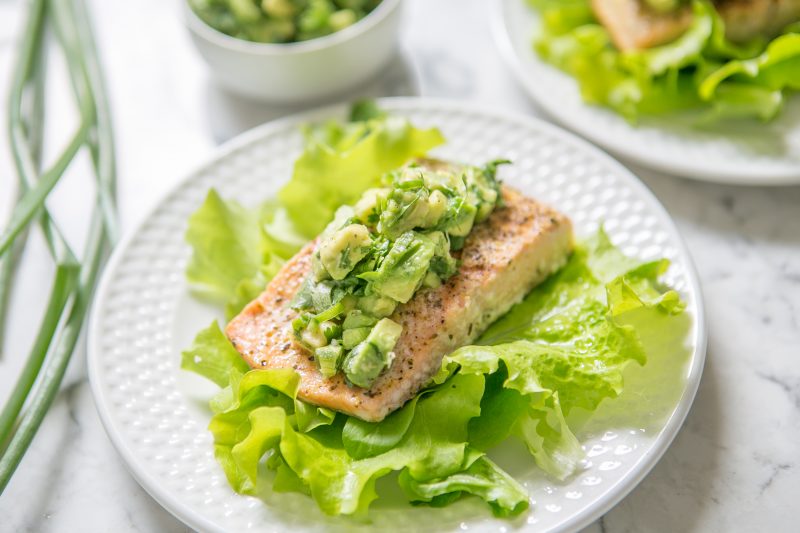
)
(503, 258)
(633, 26)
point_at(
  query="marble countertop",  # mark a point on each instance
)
(733, 467)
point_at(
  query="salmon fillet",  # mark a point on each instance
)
(632, 25)
(504, 257)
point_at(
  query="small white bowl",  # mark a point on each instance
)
(304, 71)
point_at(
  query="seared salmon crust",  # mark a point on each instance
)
(633, 25)
(519, 245)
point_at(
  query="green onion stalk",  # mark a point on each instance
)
(74, 279)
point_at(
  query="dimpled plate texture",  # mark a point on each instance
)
(747, 152)
(143, 317)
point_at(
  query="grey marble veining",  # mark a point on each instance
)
(733, 467)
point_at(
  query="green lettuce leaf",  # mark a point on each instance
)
(564, 347)
(433, 444)
(367, 439)
(777, 68)
(480, 477)
(743, 100)
(249, 288)
(536, 419)
(251, 412)
(340, 162)
(684, 51)
(699, 70)
(236, 250)
(212, 356)
(227, 246)
(561, 348)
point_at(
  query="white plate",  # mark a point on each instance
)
(748, 153)
(143, 316)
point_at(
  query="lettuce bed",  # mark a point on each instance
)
(563, 348)
(701, 70)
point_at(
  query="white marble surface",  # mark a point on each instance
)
(733, 467)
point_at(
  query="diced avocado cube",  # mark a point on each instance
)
(328, 358)
(363, 364)
(341, 219)
(358, 319)
(431, 280)
(482, 189)
(349, 303)
(403, 212)
(443, 264)
(331, 330)
(245, 11)
(340, 252)
(488, 200)
(270, 31)
(313, 21)
(439, 240)
(440, 179)
(463, 221)
(342, 19)
(384, 335)
(406, 210)
(312, 335)
(457, 243)
(318, 269)
(436, 206)
(366, 209)
(376, 305)
(484, 210)
(301, 322)
(369, 358)
(403, 268)
(351, 337)
(282, 9)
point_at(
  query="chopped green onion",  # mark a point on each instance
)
(330, 313)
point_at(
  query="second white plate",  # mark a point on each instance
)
(156, 415)
(752, 153)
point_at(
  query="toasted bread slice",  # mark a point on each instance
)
(518, 246)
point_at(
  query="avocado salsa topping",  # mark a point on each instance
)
(377, 254)
(281, 21)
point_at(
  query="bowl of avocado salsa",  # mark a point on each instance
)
(281, 21)
(291, 51)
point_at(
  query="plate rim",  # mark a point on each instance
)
(514, 63)
(138, 468)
